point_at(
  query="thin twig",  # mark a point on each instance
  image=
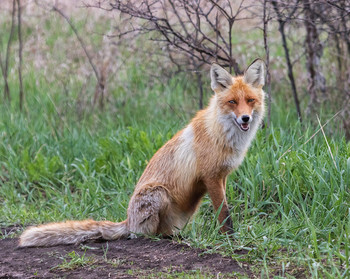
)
(100, 86)
(97, 75)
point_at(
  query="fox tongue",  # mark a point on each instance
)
(245, 126)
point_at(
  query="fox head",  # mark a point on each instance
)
(241, 98)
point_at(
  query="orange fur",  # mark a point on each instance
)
(195, 161)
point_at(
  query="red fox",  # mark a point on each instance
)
(195, 161)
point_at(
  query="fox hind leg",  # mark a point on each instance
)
(146, 210)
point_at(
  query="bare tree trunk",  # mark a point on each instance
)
(230, 24)
(290, 72)
(344, 18)
(281, 23)
(267, 52)
(5, 66)
(21, 96)
(100, 87)
(339, 52)
(314, 50)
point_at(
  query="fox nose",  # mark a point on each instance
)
(245, 118)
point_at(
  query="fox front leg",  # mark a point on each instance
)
(217, 193)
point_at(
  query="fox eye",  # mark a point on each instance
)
(251, 100)
(232, 102)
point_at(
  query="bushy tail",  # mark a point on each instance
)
(72, 232)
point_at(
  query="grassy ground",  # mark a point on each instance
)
(59, 161)
(289, 209)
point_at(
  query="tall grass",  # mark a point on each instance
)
(289, 201)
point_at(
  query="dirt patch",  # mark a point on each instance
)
(126, 258)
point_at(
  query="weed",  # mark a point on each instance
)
(73, 261)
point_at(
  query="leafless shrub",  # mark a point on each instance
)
(200, 29)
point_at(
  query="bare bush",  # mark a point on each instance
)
(199, 29)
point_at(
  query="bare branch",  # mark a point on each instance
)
(181, 24)
(100, 75)
(82, 44)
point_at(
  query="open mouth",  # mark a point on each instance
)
(244, 126)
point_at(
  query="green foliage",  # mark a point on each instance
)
(40, 167)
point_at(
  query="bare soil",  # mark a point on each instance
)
(126, 258)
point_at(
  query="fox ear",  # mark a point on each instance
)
(255, 73)
(220, 78)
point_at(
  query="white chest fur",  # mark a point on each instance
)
(234, 161)
(237, 139)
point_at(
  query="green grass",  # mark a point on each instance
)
(73, 261)
(290, 209)
(196, 274)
